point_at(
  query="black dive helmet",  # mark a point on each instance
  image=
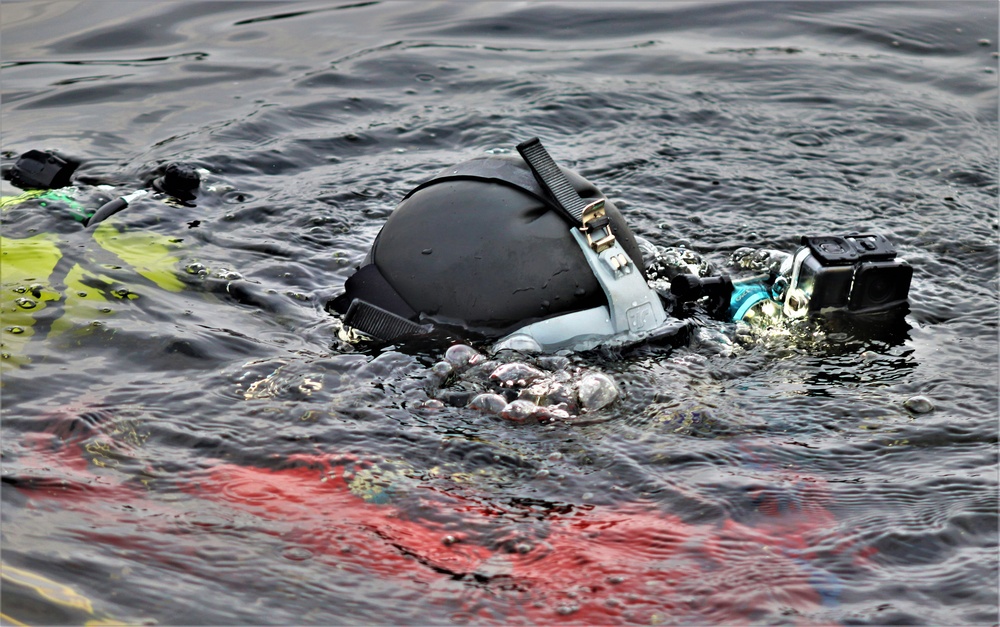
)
(506, 247)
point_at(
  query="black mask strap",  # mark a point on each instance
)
(372, 306)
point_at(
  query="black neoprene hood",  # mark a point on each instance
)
(480, 246)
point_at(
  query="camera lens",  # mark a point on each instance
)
(880, 286)
(878, 290)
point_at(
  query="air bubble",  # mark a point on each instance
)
(489, 403)
(442, 369)
(460, 356)
(919, 404)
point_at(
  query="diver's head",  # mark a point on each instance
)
(511, 247)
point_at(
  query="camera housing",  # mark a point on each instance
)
(858, 274)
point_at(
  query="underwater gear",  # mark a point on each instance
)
(420, 528)
(718, 290)
(36, 170)
(111, 208)
(179, 181)
(506, 247)
(64, 198)
(857, 273)
(854, 274)
(59, 280)
(42, 170)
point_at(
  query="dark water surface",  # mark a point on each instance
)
(712, 125)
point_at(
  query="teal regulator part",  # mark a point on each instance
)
(747, 294)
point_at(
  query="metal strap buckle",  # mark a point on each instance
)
(595, 219)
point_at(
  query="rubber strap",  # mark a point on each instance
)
(381, 324)
(552, 179)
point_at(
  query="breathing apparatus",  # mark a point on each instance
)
(48, 176)
(516, 250)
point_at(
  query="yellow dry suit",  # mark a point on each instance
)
(53, 282)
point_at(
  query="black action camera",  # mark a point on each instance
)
(858, 274)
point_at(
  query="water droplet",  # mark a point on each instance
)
(616, 579)
(15, 330)
(195, 268)
(106, 310)
(25, 303)
(228, 275)
(566, 610)
(424, 77)
(919, 404)
(427, 251)
(20, 289)
(983, 42)
(449, 540)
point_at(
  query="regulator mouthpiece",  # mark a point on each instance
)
(180, 181)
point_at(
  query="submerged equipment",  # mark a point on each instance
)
(516, 249)
(48, 176)
(854, 275)
(42, 170)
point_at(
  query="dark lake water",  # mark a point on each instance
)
(192, 444)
